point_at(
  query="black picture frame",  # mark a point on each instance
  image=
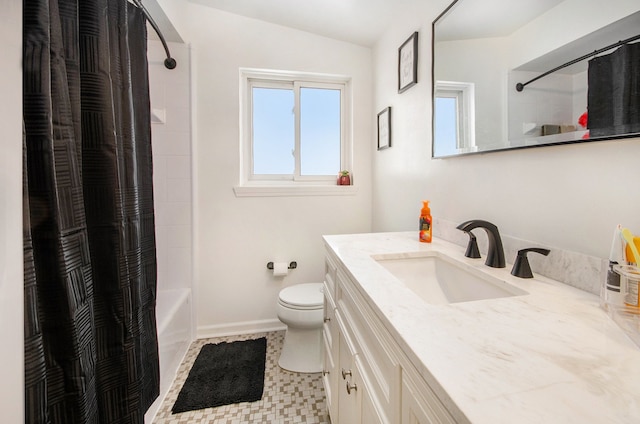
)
(384, 128)
(408, 63)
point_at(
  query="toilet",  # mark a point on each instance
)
(300, 307)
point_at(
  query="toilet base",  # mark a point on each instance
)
(302, 351)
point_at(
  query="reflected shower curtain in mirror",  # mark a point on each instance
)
(614, 92)
(91, 352)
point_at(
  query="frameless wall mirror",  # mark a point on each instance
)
(514, 74)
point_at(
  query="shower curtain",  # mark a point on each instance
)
(614, 92)
(91, 352)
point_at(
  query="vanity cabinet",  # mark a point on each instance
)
(367, 378)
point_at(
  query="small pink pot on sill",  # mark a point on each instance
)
(344, 178)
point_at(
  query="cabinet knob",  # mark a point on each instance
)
(327, 319)
(350, 387)
(345, 373)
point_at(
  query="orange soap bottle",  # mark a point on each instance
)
(425, 223)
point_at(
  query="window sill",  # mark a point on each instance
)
(294, 190)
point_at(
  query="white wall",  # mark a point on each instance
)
(170, 97)
(570, 20)
(569, 197)
(550, 101)
(236, 237)
(11, 278)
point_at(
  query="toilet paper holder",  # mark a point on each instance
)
(292, 265)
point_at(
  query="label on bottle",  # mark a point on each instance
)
(631, 293)
(613, 278)
(425, 229)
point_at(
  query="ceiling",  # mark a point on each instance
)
(490, 18)
(360, 22)
(364, 21)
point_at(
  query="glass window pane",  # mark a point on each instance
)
(446, 125)
(319, 131)
(273, 131)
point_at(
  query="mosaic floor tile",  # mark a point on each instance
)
(288, 397)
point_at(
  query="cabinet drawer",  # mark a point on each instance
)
(330, 270)
(330, 325)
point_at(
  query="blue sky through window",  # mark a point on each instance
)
(274, 131)
(446, 125)
(319, 131)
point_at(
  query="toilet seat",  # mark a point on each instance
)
(302, 296)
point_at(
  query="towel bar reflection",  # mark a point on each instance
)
(520, 86)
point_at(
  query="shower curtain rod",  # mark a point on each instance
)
(520, 86)
(169, 62)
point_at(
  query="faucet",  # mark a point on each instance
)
(495, 255)
(521, 267)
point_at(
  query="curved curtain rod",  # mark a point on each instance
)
(520, 86)
(169, 62)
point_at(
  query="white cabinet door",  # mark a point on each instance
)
(349, 399)
(420, 405)
(369, 407)
(413, 411)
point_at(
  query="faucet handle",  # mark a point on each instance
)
(472, 247)
(521, 266)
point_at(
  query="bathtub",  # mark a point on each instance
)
(173, 318)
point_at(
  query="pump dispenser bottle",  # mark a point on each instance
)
(425, 223)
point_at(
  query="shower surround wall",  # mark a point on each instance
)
(11, 278)
(171, 138)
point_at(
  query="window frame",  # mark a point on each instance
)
(250, 78)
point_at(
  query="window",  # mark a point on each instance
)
(295, 129)
(454, 120)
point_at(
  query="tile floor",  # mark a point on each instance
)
(288, 397)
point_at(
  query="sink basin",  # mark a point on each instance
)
(440, 280)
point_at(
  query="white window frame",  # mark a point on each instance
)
(464, 93)
(272, 185)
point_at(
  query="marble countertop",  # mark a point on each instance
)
(550, 356)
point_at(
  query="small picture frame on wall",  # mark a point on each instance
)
(408, 63)
(384, 129)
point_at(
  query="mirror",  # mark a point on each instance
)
(482, 49)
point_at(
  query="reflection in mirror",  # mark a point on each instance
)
(482, 49)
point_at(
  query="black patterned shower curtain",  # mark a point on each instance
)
(613, 100)
(91, 352)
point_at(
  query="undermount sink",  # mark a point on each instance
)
(440, 280)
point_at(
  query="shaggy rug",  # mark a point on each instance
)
(224, 373)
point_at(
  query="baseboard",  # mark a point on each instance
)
(237, 328)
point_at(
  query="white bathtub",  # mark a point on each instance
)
(173, 317)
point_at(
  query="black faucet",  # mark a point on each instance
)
(521, 267)
(495, 255)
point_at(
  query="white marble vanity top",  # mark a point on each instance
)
(551, 356)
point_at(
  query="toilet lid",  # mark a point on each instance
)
(303, 295)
